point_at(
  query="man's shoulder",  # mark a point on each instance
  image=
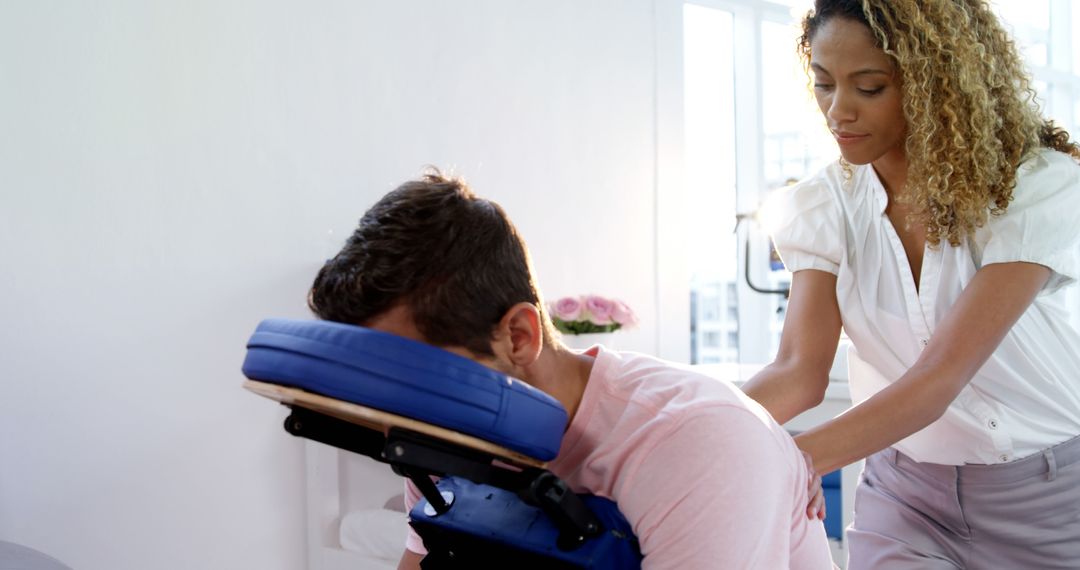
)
(669, 395)
(666, 385)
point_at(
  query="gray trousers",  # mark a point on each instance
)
(1022, 515)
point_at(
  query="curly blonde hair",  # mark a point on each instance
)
(971, 112)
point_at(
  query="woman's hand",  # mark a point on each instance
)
(815, 508)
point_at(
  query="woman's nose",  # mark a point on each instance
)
(840, 108)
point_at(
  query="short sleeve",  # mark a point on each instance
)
(804, 221)
(1040, 225)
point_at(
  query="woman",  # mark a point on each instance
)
(937, 242)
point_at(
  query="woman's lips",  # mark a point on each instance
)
(848, 138)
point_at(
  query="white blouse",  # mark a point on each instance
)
(1026, 397)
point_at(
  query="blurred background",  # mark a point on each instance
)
(173, 172)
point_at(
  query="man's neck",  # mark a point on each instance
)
(562, 374)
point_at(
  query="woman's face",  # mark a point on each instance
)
(858, 90)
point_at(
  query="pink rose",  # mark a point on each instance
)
(600, 309)
(567, 309)
(623, 314)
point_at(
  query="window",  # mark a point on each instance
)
(709, 107)
(745, 132)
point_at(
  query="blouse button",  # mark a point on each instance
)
(924, 341)
(1004, 458)
(992, 424)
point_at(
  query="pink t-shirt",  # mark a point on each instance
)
(705, 476)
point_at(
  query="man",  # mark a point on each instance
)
(703, 474)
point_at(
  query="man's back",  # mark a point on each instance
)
(703, 473)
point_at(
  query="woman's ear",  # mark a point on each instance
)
(520, 338)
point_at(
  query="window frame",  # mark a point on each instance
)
(673, 287)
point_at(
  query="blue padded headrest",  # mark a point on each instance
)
(407, 378)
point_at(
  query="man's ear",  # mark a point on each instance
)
(520, 336)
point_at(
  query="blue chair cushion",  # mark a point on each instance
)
(831, 487)
(407, 378)
(488, 527)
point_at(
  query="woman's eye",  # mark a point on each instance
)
(823, 86)
(873, 91)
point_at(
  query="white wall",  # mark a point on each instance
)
(171, 172)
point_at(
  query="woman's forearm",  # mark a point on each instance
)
(896, 412)
(785, 393)
(797, 379)
(967, 336)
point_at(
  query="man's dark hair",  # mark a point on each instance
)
(453, 258)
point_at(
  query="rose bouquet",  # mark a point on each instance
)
(591, 314)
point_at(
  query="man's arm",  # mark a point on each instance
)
(797, 379)
(410, 560)
(990, 305)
